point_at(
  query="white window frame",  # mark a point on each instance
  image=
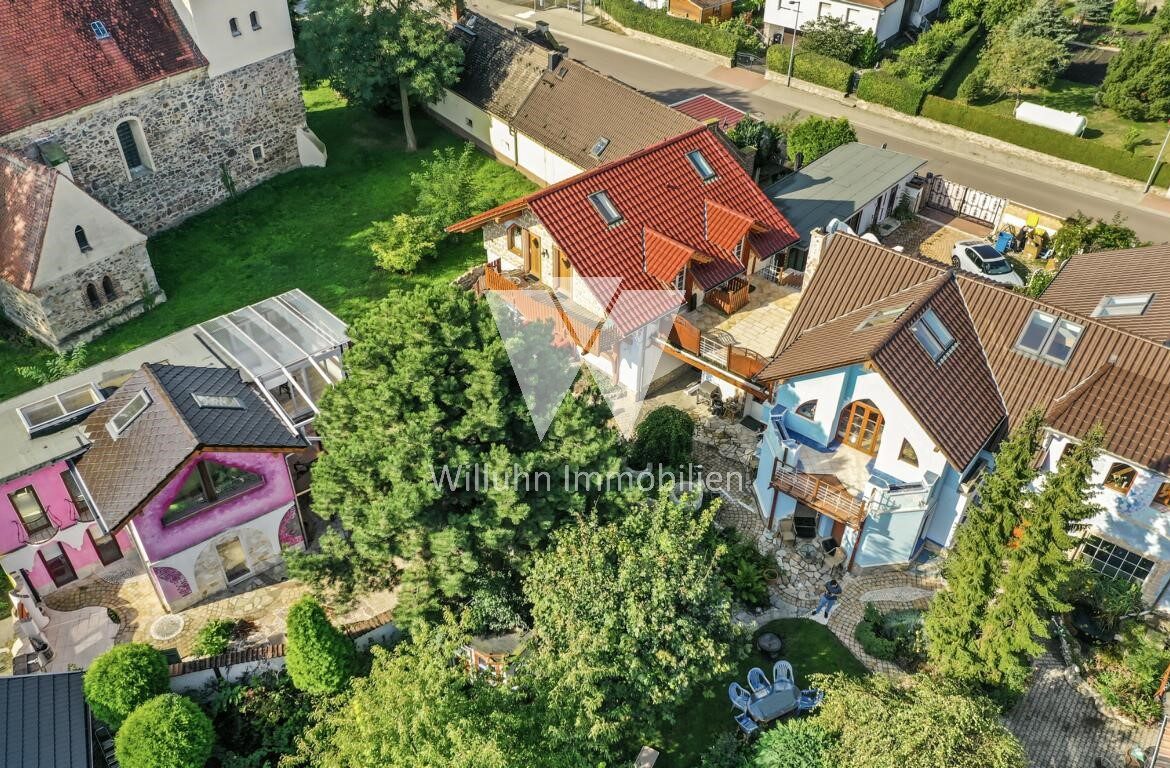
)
(128, 413)
(702, 167)
(1123, 305)
(933, 336)
(606, 208)
(1055, 327)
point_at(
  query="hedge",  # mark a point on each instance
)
(1044, 140)
(883, 88)
(963, 46)
(634, 15)
(812, 68)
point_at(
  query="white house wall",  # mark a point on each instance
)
(884, 24)
(468, 118)
(207, 22)
(541, 162)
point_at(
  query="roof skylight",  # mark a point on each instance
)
(882, 317)
(1123, 305)
(599, 147)
(1049, 337)
(609, 212)
(704, 169)
(122, 420)
(99, 30)
(53, 410)
(216, 401)
(933, 336)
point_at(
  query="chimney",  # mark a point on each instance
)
(456, 10)
(816, 244)
(554, 57)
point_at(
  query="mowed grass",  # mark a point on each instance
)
(306, 229)
(811, 649)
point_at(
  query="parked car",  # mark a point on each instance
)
(981, 258)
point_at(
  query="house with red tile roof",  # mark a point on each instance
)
(69, 267)
(897, 377)
(704, 107)
(645, 245)
(146, 105)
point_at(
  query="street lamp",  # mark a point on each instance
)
(1158, 160)
(792, 50)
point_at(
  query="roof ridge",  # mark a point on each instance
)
(1061, 404)
(902, 320)
(170, 402)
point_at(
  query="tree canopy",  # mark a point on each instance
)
(431, 398)
(1014, 63)
(839, 39)
(320, 658)
(1137, 82)
(123, 678)
(169, 731)
(817, 136)
(629, 618)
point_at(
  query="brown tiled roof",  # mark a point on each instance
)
(1086, 279)
(573, 106)
(52, 62)
(1113, 377)
(500, 67)
(124, 472)
(26, 194)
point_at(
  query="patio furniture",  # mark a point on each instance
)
(758, 682)
(782, 700)
(836, 562)
(810, 551)
(810, 698)
(782, 670)
(770, 644)
(788, 531)
(739, 697)
(747, 726)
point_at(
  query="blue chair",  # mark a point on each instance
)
(782, 670)
(810, 699)
(739, 697)
(747, 726)
(758, 682)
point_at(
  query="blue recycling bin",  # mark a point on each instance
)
(1003, 241)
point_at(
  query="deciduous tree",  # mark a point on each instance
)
(629, 618)
(833, 37)
(1014, 64)
(377, 51)
(954, 621)
(818, 136)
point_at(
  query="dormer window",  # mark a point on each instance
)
(82, 240)
(599, 147)
(1120, 477)
(254, 20)
(234, 26)
(99, 30)
(933, 336)
(702, 167)
(122, 420)
(1049, 337)
(605, 207)
(1123, 305)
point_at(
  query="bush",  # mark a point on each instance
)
(835, 38)
(743, 567)
(447, 188)
(895, 636)
(400, 244)
(818, 136)
(1128, 673)
(1083, 234)
(169, 731)
(319, 658)
(794, 744)
(1041, 139)
(894, 92)
(814, 68)
(214, 637)
(1125, 12)
(664, 437)
(727, 751)
(257, 720)
(709, 37)
(1162, 18)
(123, 678)
(930, 59)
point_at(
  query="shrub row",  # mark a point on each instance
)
(968, 40)
(894, 92)
(634, 15)
(812, 68)
(1041, 139)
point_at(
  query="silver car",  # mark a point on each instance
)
(981, 258)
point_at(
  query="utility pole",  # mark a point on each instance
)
(792, 49)
(1158, 160)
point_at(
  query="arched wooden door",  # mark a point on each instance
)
(860, 426)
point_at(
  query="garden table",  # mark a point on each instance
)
(782, 700)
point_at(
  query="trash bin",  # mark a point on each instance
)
(1003, 241)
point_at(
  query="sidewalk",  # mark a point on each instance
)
(1019, 176)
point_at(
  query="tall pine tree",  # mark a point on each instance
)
(1038, 567)
(974, 565)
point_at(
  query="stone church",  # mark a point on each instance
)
(119, 118)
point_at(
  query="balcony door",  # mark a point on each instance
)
(533, 265)
(860, 426)
(57, 564)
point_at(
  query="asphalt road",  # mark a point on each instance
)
(973, 166)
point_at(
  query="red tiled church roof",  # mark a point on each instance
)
(53, 63)
(657, 188)
(26, 194)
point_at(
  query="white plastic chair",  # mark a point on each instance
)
(782, 670)
(740, 699)
(758, 682)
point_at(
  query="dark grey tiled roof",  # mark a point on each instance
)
(44, 722)
(124, 471)
(500, 67)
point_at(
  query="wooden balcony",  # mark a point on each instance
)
(824, 493)
(731, 298)
(717, 347)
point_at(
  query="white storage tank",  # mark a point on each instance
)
(1037, 114)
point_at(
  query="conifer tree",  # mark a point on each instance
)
(1037, 568)
(974, 565)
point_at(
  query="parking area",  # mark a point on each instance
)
(933, 234)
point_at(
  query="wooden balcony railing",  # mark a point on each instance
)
(731, 298)
(717, 347)
(824, 493)
(538, 303)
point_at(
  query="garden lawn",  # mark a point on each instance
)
(809, 646)
(305, 229)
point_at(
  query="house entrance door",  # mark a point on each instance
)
(534, 256)
(231, 556)
(861, 426)
(107, 548)
(57, 564)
